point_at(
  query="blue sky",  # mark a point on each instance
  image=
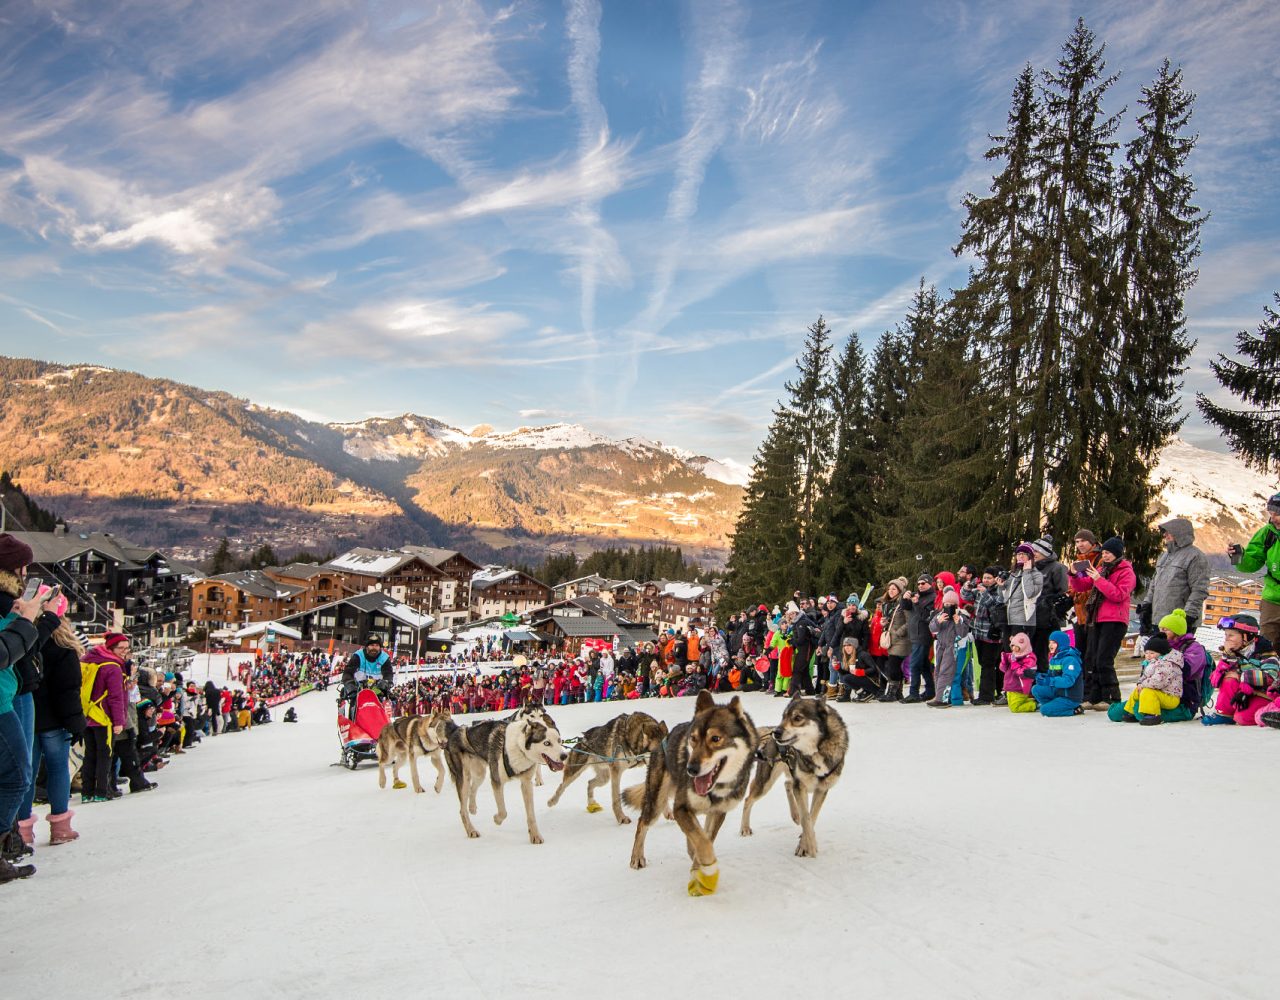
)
(619, 213)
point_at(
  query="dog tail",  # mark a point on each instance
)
(633, 797)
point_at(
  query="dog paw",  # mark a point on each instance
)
(535, 838)
(669, 815)
(638, 863)
(623, 820)
(804, 850)
(745, 832)
(473, 834)
(594, 807)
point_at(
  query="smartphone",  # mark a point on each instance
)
(54, 593)
(34, 583)
(1080, 566)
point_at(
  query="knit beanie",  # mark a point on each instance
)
(1158, 644)
(1024, 547)
(925, 578)
(1043, 547)
(14, 553)
(1175, 621)
(1085, 535)
(113, 639)
(949, 596)
(1115, 546)
(1020, 643)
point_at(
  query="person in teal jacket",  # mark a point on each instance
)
(1263, 552)
(1060, 690)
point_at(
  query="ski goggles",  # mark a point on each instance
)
(1246, 627)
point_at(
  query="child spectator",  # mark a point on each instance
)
(1060, 690)
(1160, 686)
(1019, 669)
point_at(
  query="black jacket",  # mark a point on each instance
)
(57, 699)
(16, 641)
(918, 626)
(28, 666)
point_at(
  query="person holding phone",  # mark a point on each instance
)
(21, 622)
(1088, 553)
(1108, 590)
(1263, 552)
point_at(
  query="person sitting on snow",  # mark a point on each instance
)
(1243, 676)
(1019, 670)
(1159, 689)
(1060, 690)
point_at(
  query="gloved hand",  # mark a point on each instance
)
(1240, 700)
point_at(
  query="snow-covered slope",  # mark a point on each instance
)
(971, 853)
(1217, 492)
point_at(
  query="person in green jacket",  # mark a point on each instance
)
(1263, 552)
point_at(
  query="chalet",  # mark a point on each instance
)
(678, 603)
(580, 587)
(1231, 595)
(320, 585)
(347, 621)
(234, 600)
(451, 602)
(569, 622)
(496, 591)
(113, 584)
(625, 596)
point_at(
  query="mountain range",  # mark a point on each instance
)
(182, 467)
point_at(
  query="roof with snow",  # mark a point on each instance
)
(261, 628)
(435, 557)
(371, 562)
(52, 547)
(374, 602)
(684, 591)
(258, 584)
(490, 575)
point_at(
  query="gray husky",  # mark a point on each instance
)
(508, 750)
(808, 746)
(608, 751)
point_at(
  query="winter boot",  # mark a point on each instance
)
(844, 694)
(9, 871)
(1270, 719)
(892, 692)
(27, 830)
(703, 881)
(1151, 720)
(832, 689)
(1217, 720)
(60, 831)
(12, 846)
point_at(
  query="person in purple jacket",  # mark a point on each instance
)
(95, 778)
(1110, 585)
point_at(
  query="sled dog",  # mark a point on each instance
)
(409, 738)
(608, 751)
(808, 747)
(508, 750)
(701, 769)
(532, 711)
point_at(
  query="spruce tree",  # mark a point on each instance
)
(813, 424)
(997, 304)
(1157, 245)
(1254, 433)
(1075, 329)
(222, 560)
(845, 560)
(763, 564)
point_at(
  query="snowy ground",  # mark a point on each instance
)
(970, 853)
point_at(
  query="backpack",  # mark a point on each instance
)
(94, 708)
(1197, 696)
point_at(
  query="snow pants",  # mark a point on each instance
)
(1247, 716)
(1019, 702)
(1149, 701)
(1052, 704)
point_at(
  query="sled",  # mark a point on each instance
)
(358, 737)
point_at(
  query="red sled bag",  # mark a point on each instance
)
(762, 665)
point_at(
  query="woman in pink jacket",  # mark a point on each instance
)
(1110, 585)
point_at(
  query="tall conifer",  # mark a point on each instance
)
(1254, 433)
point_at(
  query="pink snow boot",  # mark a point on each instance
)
(27, 828)
(60, 831)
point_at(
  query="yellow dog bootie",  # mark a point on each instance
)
(398, 784)
(703, 881)
(594, 807)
